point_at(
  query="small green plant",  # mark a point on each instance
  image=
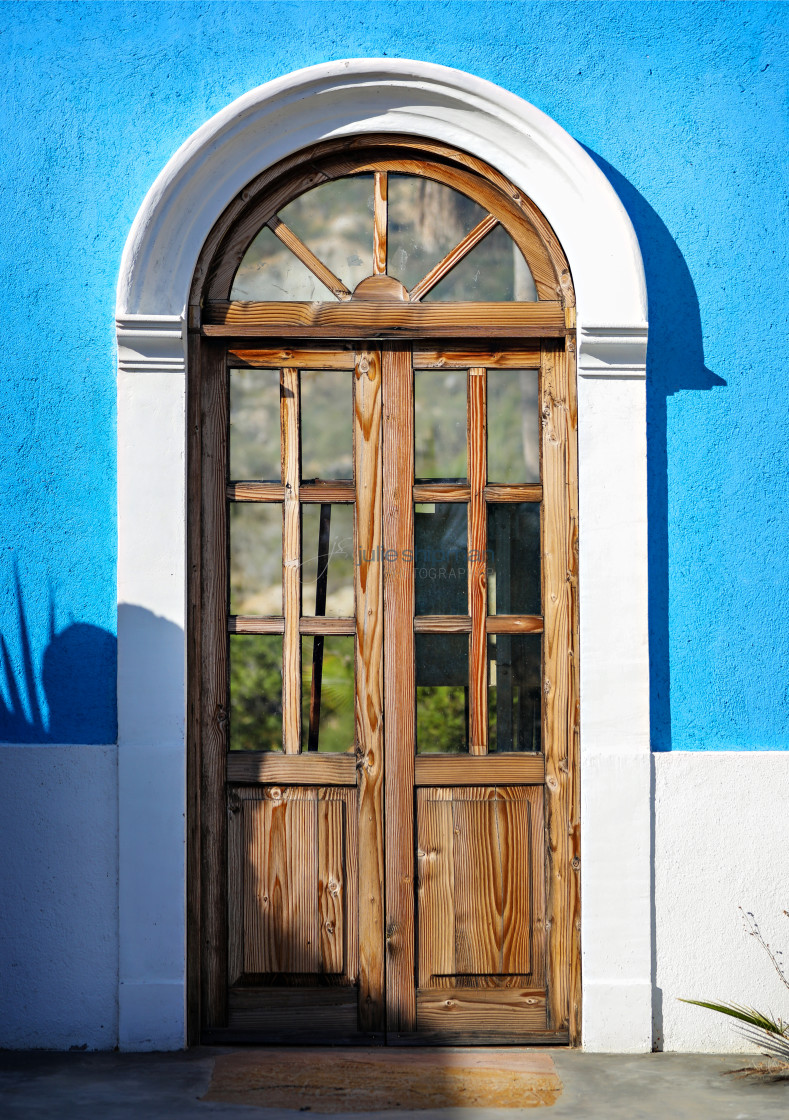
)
(770, 1034)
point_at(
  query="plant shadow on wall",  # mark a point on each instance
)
(77, 676)
(675, 364)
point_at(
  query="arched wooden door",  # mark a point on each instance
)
(384, 679)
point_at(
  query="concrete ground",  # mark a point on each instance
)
(81, 1086)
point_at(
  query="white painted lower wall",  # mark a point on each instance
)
(721, 840)
(58, 897)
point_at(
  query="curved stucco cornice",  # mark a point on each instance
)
(384, 95)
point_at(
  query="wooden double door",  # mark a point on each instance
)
(384, 692)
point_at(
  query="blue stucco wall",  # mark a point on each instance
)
(684, 106)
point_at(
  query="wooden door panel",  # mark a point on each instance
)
(293, 878)
(476, 864)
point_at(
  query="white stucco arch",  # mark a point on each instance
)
(201, 179)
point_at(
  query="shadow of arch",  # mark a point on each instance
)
(675, 363)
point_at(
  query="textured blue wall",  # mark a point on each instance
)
(684, 106)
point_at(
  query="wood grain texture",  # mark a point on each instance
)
(308, 258)
(459, 770)
(441, 492)
(214, 687)
(255, 491)
(560, 691)
(249, 624)
(477, 569)
(518, 356)
(513, 492)
(339, 357)
(442, 624)
(292, 861)
(380, 222)
(312, 624)
(291, 560)
(453, 257)
(341, 490)
(399, 686)
(331, 885)
(480, 1014)
(294, 1012)
(259, 766)
(382, 319)
(280, 887)
(513, 624)
(475, 867)
(369, 687)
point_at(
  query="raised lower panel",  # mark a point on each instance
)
(292, 887)
(481, 955)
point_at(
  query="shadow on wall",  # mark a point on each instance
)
(77, 678)
(675, 363)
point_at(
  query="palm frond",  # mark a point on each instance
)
(748, 1015)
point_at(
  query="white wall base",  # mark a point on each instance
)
(59, 890)
(721, 841)
(151, 1015)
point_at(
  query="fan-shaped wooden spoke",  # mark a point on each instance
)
(291, 241)
(453, 257)
(380, 222)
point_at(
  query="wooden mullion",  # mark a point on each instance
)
(560, 687)
(515, 356)
(380, 222)
(477, 569)
(316, 681)
(399, 691)
(293, 242)
(514, 624)
(442, 624)
(248, 624)
(255, 492)
(214, 686)
(454, 257)
(514, 492)
(314, 625)
(369, 688)
(343, 357)
(291, 560)
(441, 492)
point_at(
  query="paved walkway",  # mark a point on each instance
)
(72, 1086)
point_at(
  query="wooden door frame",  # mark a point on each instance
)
(207, 850)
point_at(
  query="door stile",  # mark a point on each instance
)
(399, 686)
(560, 685)
(214, 678)
(369, 688)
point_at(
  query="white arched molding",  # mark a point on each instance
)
(201, 179)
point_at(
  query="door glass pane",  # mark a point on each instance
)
(269, 271)
(440, 558)
(513, 426)
(440, 425)
(326, 424)
(514, 558)
(493, 270)
(426, 220)
(254, 424)
(255, 692)
(327, 560)
(514, 679)
(327, 687)
(255, 558)
(441, 693)
(336, 221)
